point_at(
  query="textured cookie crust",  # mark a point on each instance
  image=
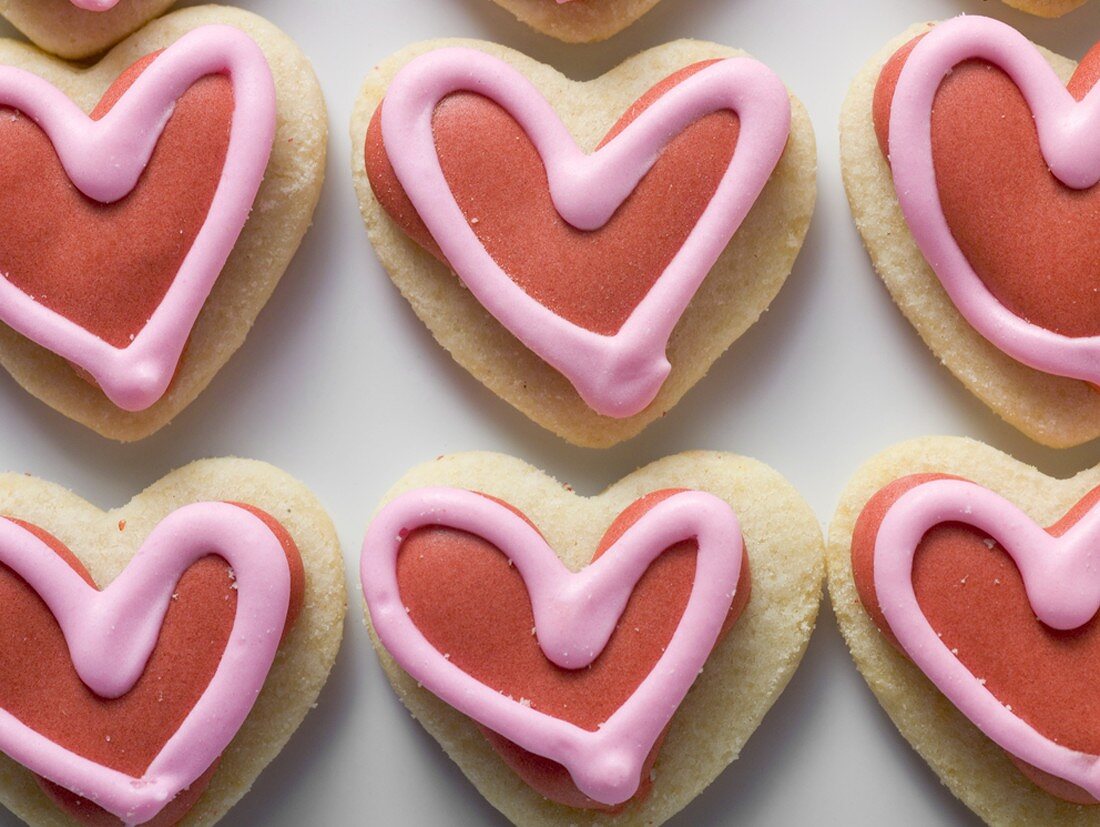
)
(60, 28)
(305, 657)
(579, 21)
(737, 291)
(1045, 8)
(744, 675)
(1052, 410)
(975, 769)
(280, 217)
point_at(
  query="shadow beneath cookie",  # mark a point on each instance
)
(926, 785)
(745, 791)
(427, 760)
(980, 422)
(308, 771)
(770, 775)
(267, 387)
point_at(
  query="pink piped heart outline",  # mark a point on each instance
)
(105, 158)
(1069, 136)
(575, 616)
(1062, 579)
(112, 632)
(616, 375)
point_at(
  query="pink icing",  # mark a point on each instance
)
(1068, 135)
(1061, 576)
(575, 615)
(105, 159)
(616, 375)
(103, 5)
(111, 634)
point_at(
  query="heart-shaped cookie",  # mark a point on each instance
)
(996, 186)
(567, 303)
(75, 29)
(974, 625)
(140, 242)
(584, 638)
(155, 658)
(577, 21)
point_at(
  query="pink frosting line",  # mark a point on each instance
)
(575, 616)
(1069, 135)
(1062, 579)
(105, 160)
(101, 5)
(111, 634)
(616, 375)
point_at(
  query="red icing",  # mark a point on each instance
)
(473, 606)
(40, 686)
(974, 597)
(107, 267)
(593, 279)
(1033, 241)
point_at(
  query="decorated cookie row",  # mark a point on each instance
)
(140, 241)
(582, 660)
(82, 28)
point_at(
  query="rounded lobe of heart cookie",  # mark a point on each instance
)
(42, 689)
(482, 617)
(973, 595)
(589, 260)
(116, 225)
(996, 170)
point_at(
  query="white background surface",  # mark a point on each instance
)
(341, 386)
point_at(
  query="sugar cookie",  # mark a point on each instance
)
(155, 658)
(591, 660)
(1011, 301)
(593, 290)
(974, 624)
(135, 258)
